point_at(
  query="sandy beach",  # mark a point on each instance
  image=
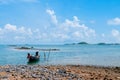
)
(58, 72)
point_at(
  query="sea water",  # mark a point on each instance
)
(102, 55)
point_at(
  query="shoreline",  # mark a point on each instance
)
(59, 72)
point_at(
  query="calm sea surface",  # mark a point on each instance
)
(103, 55)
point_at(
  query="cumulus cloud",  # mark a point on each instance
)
(77, 28)
(10, 27)
(52, 15)
(77, 34)
(19, 38)
(115, 21)
(71, 29)
(59, 36)
(74, 23)
(14, 33)
(68, 30)
(116, 34)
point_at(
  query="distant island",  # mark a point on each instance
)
(82, 43)
(108, 44)
(77, 43)
(101, 43)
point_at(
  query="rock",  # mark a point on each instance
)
(61, 71)
(118, 77)
(74, 76)
(7, 70)
(70, 79)
(105, 78)
(33, 75)
(4, 78)
(48, 79)
(23, 76)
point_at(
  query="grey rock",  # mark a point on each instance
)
(35, 76)
(61, 71)
(7, 70)
(4, 78)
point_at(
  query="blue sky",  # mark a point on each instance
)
(59, 21)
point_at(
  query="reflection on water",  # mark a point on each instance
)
(33, 62)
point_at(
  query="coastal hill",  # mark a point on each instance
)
(77, 43)
(82, 43)
(108, 43)
(85, 43)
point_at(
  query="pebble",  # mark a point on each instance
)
(34, 76)
(36, 71)
(4, 78)
(61, 71)
(118, 77)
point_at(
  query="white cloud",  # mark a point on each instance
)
(75, 18)
(90, 32)
(52, 15)
(77, 34)
(60, 36)
(115, 21)
(116, 34)
(19, 38)
(68, 30)
(30, 31)
(71, 29)
(79, 30)
(14, 33)
(74, 23)
(10, 27)
(103, 35)
(1, 31)
(21, 30)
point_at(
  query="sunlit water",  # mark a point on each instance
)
(103, 55)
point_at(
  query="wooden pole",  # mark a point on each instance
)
(48, 54)
(44, 56)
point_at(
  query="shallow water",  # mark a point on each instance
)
(103, 55)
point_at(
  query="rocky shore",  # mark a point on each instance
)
(59, 72)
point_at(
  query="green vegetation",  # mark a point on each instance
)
(102, 43)
(82, 43)
(77, 43)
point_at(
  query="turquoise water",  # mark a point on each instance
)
(103, 55)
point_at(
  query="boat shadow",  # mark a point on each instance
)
(41, 62)
(32, 62)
